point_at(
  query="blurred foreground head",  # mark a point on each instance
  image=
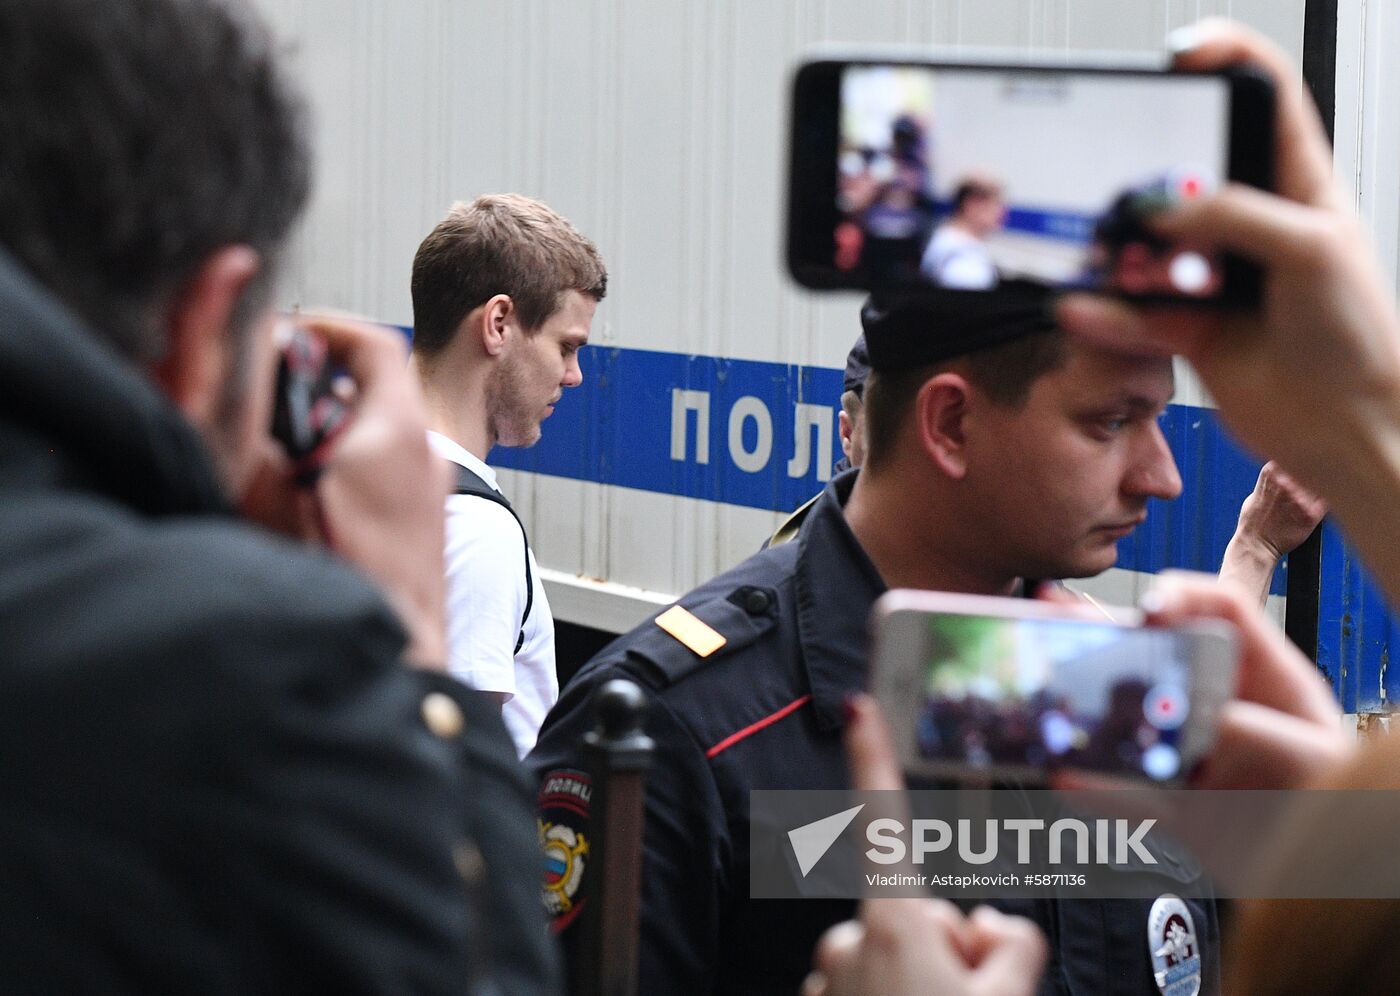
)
(140, 137)
(153, 163)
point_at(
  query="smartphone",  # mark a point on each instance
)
(307, 412)
(999, 688)
(948, 177)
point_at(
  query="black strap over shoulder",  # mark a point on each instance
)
(469, 483)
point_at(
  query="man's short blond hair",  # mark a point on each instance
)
(499, 244)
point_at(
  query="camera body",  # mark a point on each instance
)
(307, 413)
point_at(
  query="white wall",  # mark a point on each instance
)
(1077, 154)
(657, 126)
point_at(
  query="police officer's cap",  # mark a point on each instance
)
(902, 333)
(857, 368)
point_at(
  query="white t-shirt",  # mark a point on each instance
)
(485, 600)
(958, 259)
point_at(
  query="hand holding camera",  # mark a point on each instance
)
(352, 469)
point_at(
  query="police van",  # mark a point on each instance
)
(710, 396)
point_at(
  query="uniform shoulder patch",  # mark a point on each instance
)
(698, 637)
(685, 638)
(564, 804)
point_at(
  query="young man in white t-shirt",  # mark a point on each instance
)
(957, 254)
(504, 291)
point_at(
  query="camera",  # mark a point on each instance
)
(308, 413)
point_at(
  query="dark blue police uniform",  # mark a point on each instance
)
(764, 711)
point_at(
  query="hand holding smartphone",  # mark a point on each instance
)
(962, 177)
(978, 687)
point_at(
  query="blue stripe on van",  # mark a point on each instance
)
(616, 429)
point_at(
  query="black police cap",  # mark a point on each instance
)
(857, 368)
(903, 333)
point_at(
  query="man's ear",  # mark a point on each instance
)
(495, 317)
(844, 428)
(198, 330)
(941, 408)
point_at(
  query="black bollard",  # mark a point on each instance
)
(618, 753)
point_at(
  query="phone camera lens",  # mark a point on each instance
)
(1190, 272)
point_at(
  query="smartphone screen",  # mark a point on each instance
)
(1054, 693)
(978, 692)
(967, 178)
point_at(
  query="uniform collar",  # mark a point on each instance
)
(836, 586)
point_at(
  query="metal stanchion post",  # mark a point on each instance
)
(618, 754)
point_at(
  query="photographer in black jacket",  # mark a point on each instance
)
(217, 773)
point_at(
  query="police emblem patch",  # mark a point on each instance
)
(1173, 945)
(565, 797)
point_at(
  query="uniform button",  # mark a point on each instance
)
(756, 602)
(470, 864)
(442, 715)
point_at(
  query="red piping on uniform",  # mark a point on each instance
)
(560, 922)
(753, 728)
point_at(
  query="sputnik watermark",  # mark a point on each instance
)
(1009, 842)
(1006, 880)
(973, 843)
(1014, 842)
(1112, 841)
(811, 841)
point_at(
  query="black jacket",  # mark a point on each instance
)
(215, 774)
(764, 711)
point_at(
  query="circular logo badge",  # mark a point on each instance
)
(566, 797)
(565, 854)
(1175, 951)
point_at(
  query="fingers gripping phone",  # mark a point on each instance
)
(978, 687)
(308, 413)
(960, 177)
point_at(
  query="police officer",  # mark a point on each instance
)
(997, 451)
(852, 433)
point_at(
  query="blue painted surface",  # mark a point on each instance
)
(1064, 226)
(1354, 630)
(616, 429)
(1075, 227)
(1216, 475)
